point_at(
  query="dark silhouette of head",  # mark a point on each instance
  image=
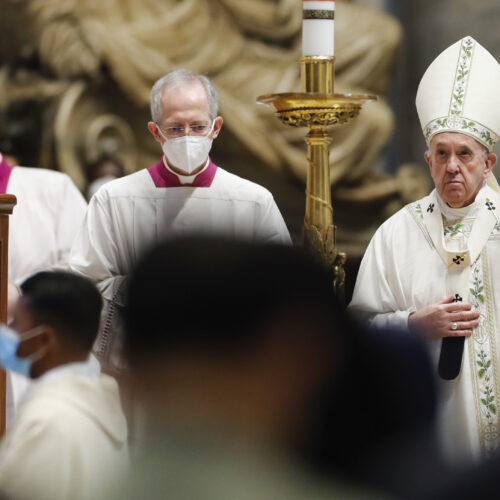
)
(218, 294)
(253, 328)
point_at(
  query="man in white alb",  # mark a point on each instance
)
(184, 192)
(42, 227)
(69, 438)
(434, 267)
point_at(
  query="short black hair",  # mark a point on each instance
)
(68, 302)
(216, 293)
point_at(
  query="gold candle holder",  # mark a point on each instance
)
(318, 107)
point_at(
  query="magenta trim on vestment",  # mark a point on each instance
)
(5, 171)
(163, 178)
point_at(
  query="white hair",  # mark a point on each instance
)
(177, 78)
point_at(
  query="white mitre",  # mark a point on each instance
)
(460, 92)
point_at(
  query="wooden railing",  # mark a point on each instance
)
(7, 203)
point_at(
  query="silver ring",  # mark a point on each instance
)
(454, 325)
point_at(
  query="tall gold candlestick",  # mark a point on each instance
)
(318, 107)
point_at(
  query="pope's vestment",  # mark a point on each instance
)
(402, 272)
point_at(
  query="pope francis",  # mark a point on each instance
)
(431, 268)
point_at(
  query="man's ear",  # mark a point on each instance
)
(427, 158)
(153, 129)
(48, 337)
(217, 126)
(491, 161)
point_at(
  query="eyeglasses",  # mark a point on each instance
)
(172, 132)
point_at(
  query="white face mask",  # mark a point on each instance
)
(187, 152)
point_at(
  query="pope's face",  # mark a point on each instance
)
(459, 165)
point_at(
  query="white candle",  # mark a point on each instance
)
(318, 28)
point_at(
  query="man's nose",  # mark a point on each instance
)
(453, 165)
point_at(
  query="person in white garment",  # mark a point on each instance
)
(42, 227)
(433, 268)
(44, 221)
(69, 437)
(185, 192)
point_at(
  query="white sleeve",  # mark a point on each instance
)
(376, 297)
(271, 226)
(95, 252)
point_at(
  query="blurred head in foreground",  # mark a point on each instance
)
(232, 338)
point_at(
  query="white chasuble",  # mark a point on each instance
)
(421, 255)
(460, 244)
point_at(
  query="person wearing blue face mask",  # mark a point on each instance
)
(185, 192)
(69, 438)
(10, 341)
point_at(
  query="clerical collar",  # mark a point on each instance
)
(452, 214)
(185, 179)
(5, 171)
(164, 177)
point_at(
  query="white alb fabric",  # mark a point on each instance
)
(68, 440)
(44, 223)
(128, 215)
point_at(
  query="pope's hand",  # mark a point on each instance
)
(444, 319)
